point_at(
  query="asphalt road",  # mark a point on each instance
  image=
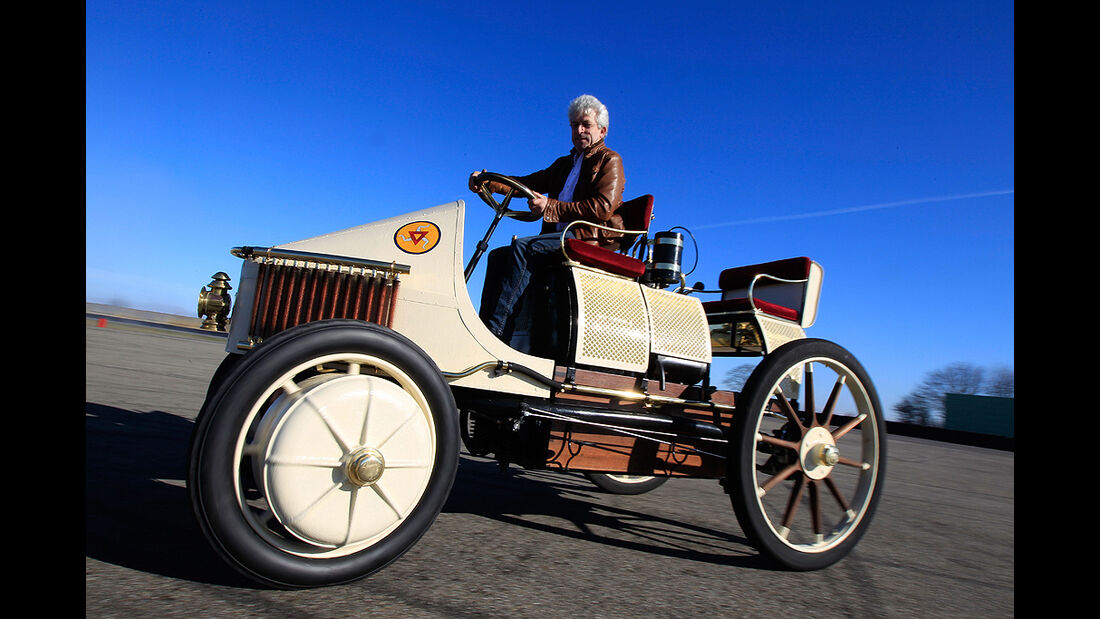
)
(522, 543)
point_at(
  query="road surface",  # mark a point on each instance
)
(521, 543)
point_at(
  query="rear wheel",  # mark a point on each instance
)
(806, 466)
(625, 484)
(324, 454)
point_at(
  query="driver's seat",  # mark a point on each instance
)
(636, 214)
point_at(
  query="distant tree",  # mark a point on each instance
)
(925, 404)
(736, 377)
(1001, 382)
(911, 410)
(957, 378)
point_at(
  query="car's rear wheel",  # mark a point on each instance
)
(625, 484)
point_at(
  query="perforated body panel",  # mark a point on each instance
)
(779, 332)
(678, 325)
(621, 323)
(613, 327)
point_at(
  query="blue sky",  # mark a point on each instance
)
(876, 138)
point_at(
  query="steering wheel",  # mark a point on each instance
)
(501, 207)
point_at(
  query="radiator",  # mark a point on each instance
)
(293, 288)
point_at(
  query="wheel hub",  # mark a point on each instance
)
(365, 466)
(819, 453)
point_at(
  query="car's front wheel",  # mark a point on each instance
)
(325, 454)
(808, 455)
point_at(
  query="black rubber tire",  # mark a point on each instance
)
(224, 368)
(859, 478)
(614, 484)
(212, 473)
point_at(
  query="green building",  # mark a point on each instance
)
(981, 414)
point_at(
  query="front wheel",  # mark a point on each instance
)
(807, 467)
(324, 454)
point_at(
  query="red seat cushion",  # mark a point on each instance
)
(743, 305)
(603, 259)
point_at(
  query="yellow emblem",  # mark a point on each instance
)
(417, 237)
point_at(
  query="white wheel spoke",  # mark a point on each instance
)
(406, 464)
(352, 503)
(344, 445)
(366, 415)
(318, 461)
(320, 499)
(382, 495)
(290, 387)
(403, 423)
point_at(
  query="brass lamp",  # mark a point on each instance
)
(214, 302)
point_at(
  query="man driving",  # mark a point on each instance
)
(586, 184)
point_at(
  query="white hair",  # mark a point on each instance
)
(587, 103)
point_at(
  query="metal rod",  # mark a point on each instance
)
(483, 244)
(533, 412)
(293, 254)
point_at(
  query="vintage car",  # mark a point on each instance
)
(357, 366)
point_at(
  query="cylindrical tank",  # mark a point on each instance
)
(668, 250)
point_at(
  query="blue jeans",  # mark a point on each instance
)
(512, 268)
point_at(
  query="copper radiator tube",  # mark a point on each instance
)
(289, 294)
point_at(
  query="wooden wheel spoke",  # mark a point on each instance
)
(778, 442)
(850, 462)
(778, 477)
(831, 403)
(815, 508)
(788, 410)
(831, 485)
(793, 502)
(848, 427)
(808, 392)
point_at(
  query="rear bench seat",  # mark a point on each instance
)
(787, 289)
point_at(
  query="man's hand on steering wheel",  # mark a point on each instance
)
(473, 180)
(536, 203)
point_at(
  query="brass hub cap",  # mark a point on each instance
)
(365, 466)
(828, 455)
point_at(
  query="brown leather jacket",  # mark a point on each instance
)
(597, 197)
